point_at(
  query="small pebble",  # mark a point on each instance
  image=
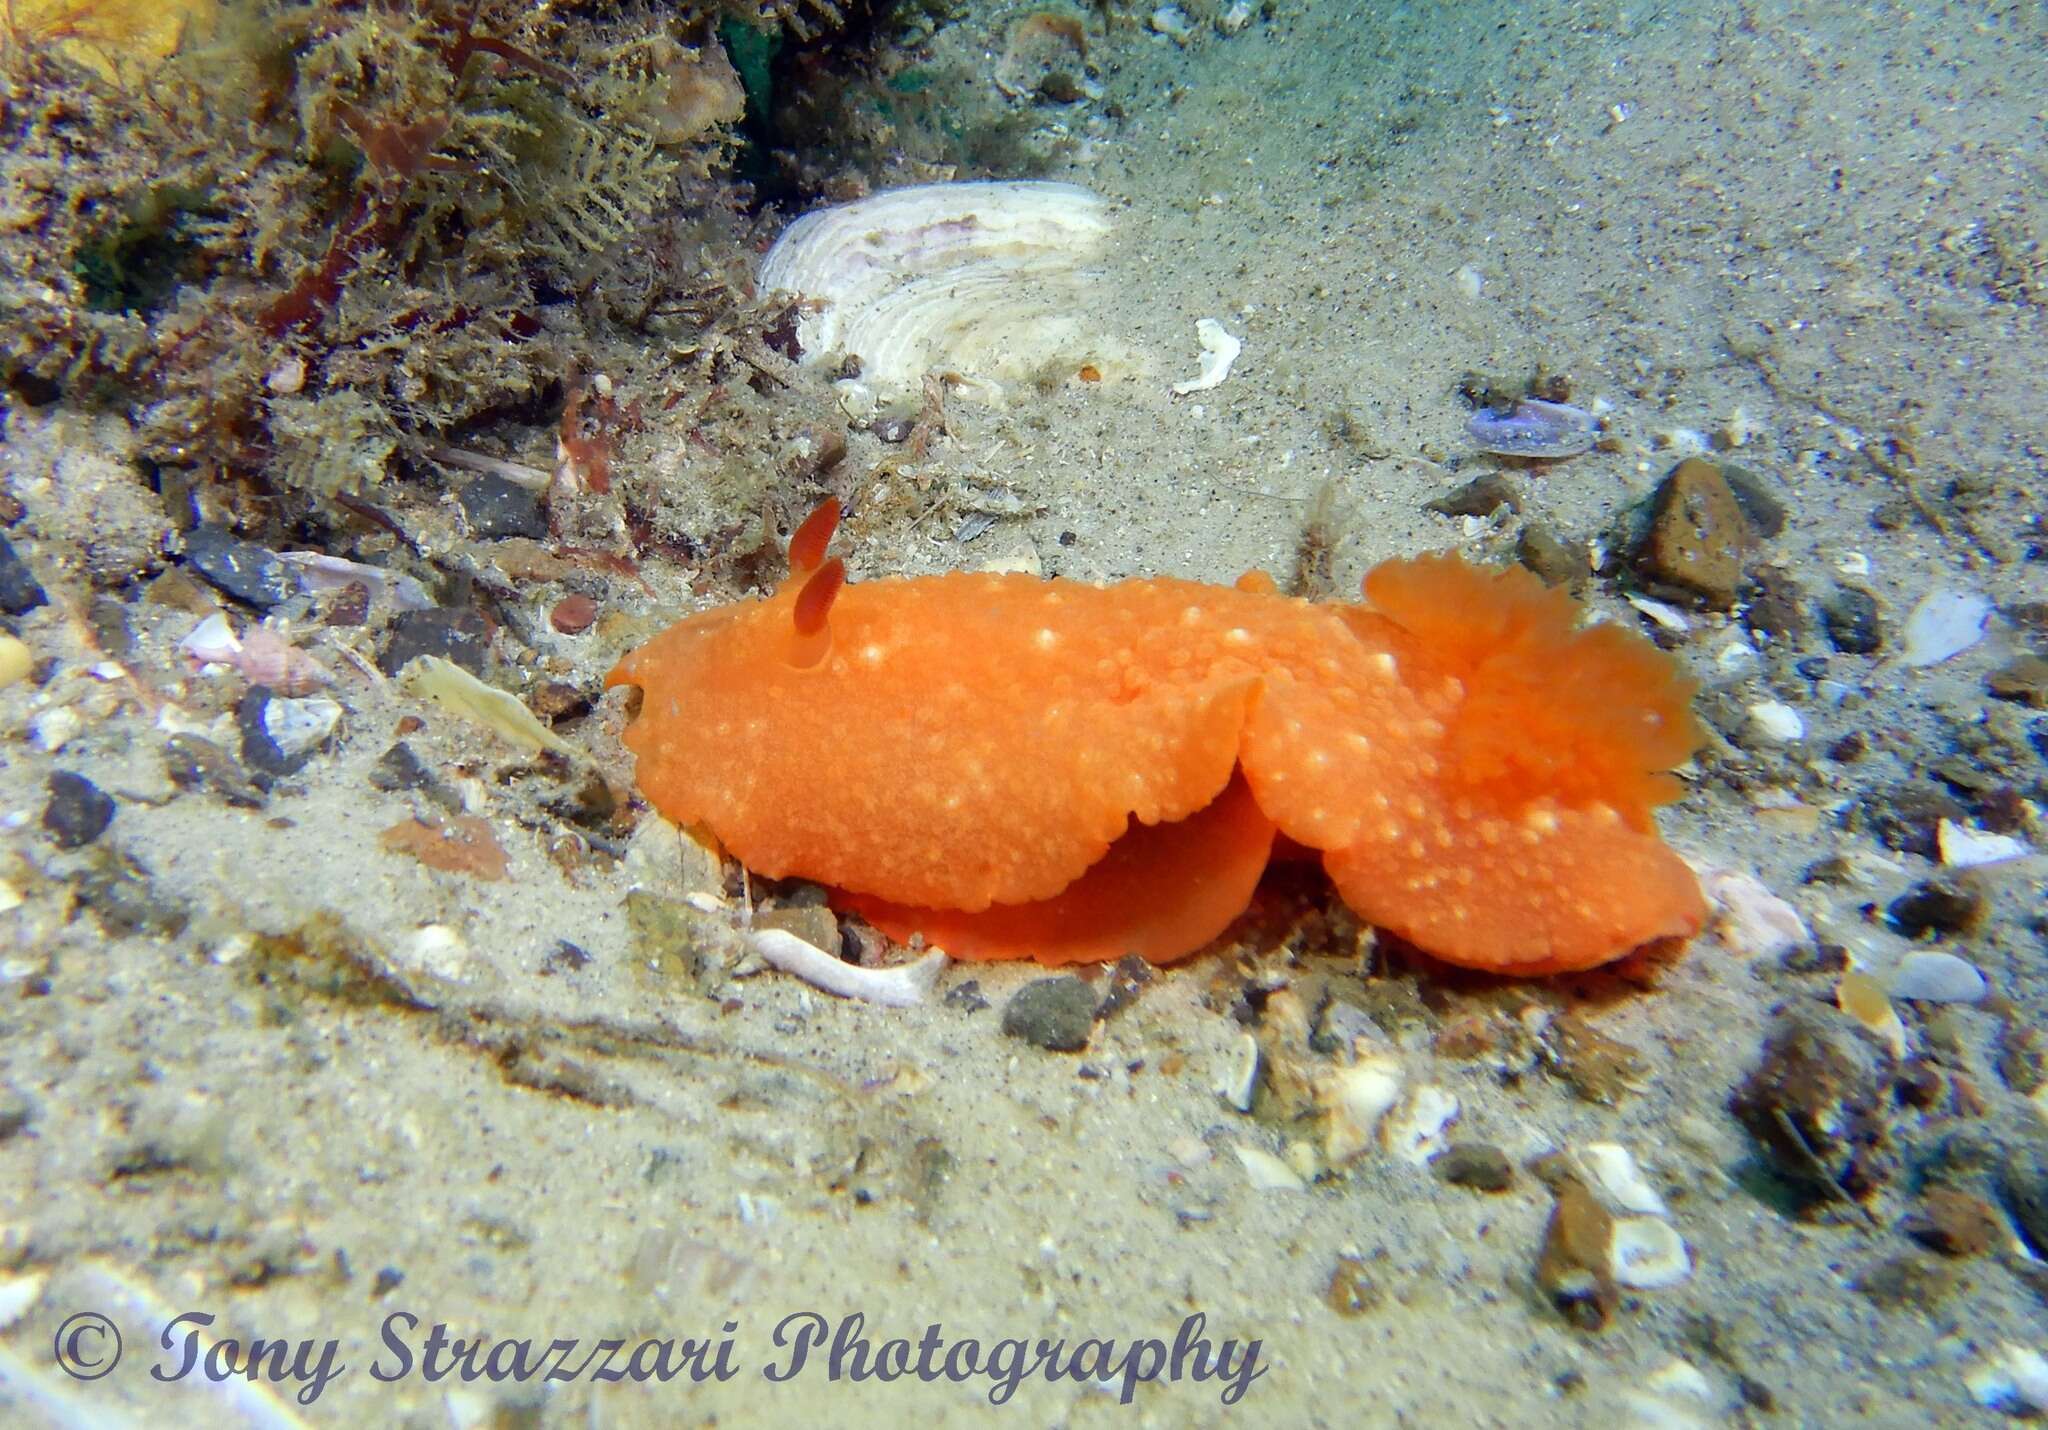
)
(496, 508)
(1482, 496)
(1851, 621)
(1056, 1014)
(242, 569)
(1929, 976)
(1954, 1223)
(196, 763)
(1478, 1165)
(573, 614)
(20, 592)
(2023, 1187)
(1938, 906)
(1698, 535)
(2024, 680)
(458, 635)
(78, 812)
(16, 661)
(260, 751)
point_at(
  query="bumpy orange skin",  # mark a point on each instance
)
(1019, 768)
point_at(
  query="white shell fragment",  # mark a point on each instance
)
(1240, 1082)
(1219, 351)
(1943, 624)
(1964, 848)
(1267, 1172)
(1645, 1254)
(1356, 1098)
(1776, 722)
(296, 726)
(1414, 1131)
(902, 986)
(1751, 920)
(2012, 1378)
(1619, 1181)
(1930, 976)
(982, 279)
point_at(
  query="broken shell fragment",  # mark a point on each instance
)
(985, 281)
(1219, 352)
(1414, 1131)
(1356, 1098)
(1645, 1254)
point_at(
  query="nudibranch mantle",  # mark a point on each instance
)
(1017, 767)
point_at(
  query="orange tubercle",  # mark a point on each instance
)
(807, 545)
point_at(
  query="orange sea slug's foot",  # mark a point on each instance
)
(1550, 890)
(1162, 891)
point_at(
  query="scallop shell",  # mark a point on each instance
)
(985, 279)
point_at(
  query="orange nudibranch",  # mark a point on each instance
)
(1022, 768)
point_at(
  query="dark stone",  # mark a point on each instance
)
(1813, 1105)
(966, 996)
(1763, 511)
(195, 763)
(1777, 607)
(20, 592)
(108, 617)
(242, 569)
(1849, 748)
(1937, 907)
(557, 700)
(461, 636)
(399, 768)
(259, 751)
(1056, 1014)
(1814, 667)
(1129, 976)
(78, 812)
(1851, 620)
(1482, 496)
(1478, 1165)
(2023, 1187)
(496, 508)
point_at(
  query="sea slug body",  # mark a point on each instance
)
(1533, 428)
(1020, 768)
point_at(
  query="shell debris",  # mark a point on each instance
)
(986, 279)
(1220, 351)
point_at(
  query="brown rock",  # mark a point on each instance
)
(1954, 1223)
(1814, 1105)
(2024, 680)
(1478, 1165)
(1573, 1269)
(1698, 536)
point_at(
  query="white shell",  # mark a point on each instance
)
(1645, 1254)
(1751, 920)
(1267, 1172)
(1219, 351)
(1357, 1097)
(2012, 1378)
(296, 726)
(1777, 722)
(1929, 976)
(1944, 623)
(1414, 1131)
(1963, 847)
(983, 279)
(1240, 1082)
(1619, 1181)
